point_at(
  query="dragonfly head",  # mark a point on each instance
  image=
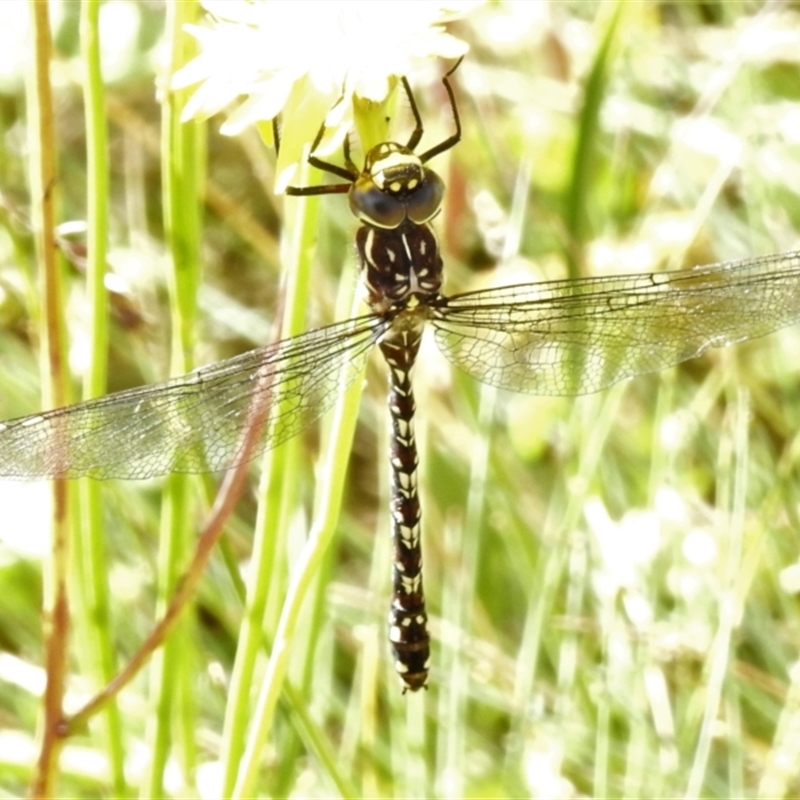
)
(395, 186)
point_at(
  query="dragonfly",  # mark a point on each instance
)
(562, 337)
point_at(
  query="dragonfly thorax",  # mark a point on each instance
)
(398, 264)
(395, 186)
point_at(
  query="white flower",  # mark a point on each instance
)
(307, 60)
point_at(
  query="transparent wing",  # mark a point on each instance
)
(197, 422)
(577, 337)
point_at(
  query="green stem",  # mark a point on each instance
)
(90, 544)
(182, 157)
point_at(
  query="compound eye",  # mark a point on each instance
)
(425, 201)
(374, 206)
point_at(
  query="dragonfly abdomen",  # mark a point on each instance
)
(408, 621)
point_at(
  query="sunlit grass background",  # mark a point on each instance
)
(611, 579)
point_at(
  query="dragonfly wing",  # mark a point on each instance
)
(197, 422)
(577, 337)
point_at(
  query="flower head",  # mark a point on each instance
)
(308, 61)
